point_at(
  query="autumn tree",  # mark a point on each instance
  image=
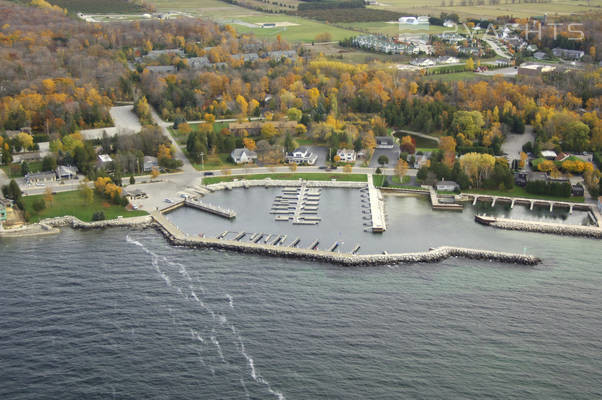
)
(48, 197)
(154, 173)
(249, 143)
(477, 166)
(408, 144)
(401, 168)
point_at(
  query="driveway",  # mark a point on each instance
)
(513, 144)
(391, 154)
(322, 152)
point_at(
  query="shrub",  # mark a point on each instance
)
(98, 216)
(39, 205)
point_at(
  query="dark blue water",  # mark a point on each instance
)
(118, 315)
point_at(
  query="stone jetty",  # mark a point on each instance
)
(178, 238)
(540, 227)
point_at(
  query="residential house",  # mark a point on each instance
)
(154, 54)
(446, 186)
(549, 154)
(346, 155)
(423, 62)
(420, 160)
(243, 156)
(161, 69)
(568, 54)
(66, 172)
(540, 55)
(149, 162)
(385, 142)
(198, 62)
(447, 60)
(302, 155)
(104, 161)
(40, 177)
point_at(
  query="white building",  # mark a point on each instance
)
(446, 186)
(346, 155)
(302, 155)
(243, 156)
(385, 142)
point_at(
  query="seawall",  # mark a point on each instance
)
(541, 227)
(144, 221)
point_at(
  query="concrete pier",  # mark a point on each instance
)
(210, 208)
(594, 232)
(437, 205)
(377, 207)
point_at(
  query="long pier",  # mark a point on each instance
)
(178, 238)
(210, 208)
(377, 207)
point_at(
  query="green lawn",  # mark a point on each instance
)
(71, 203)
(216, 161)
(34, 166)
(317, 176)
(304, 30)
(518, 191)
(458, 76)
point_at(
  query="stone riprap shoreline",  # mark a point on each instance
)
(541, 227)
(178, 238)
(144, 221)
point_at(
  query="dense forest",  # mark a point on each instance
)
(59, 75)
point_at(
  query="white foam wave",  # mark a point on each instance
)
(230, 300)
(223, 319)
(218, 347)
(254, 373)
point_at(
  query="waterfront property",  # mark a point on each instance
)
(346, 155)
(302, 155)
(243, 156)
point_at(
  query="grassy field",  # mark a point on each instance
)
(518, 191)
(436, 7)
(458, 76)
(318, 176)
(390, 29)
(71, 203)
(305, 30)
(99, 7)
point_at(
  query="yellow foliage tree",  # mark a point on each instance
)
(249, 143)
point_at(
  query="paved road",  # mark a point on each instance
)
(498, 50)
(186, 165)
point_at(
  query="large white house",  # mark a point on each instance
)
(243, 156)
(302, 155)
(385, 142)
(346, 155)
(413, 20)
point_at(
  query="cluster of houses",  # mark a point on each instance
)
(388, 45)
(204, 62)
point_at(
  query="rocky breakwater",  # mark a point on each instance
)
(144, 221)
(434, 255)
(543, 227)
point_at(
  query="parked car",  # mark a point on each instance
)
(168, 201)
(208, 173)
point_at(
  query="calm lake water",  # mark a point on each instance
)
(411, 224)
(122, 315)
